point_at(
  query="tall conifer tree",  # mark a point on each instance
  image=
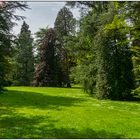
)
(24, 57)
(64, 26)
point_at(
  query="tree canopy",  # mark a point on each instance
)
(100, 51)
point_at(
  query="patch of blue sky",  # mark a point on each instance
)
(41, 15)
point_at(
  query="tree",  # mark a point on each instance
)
(46, 70)
(86, 49)
(115, 77)
(105, 30)
(85, 70)
(24, 57)
(134, 21)
(64, 26)
(7, 18)
(39, 36)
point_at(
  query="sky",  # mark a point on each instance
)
(41, 15)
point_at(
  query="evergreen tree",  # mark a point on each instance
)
(64, 26)
(7, 17)
(106, 30)
(115, 69)
(24, 57)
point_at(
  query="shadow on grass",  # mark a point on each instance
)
(38, 100)
(82, 134)
(16, 126)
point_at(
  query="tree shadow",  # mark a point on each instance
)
(16, 126)
(86, 133)
(38, 100)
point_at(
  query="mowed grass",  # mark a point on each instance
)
(41, 112)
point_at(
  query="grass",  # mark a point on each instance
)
(31, 112)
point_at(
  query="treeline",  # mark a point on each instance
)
(100, 51)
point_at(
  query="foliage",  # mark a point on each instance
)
(135, 41)
(105, 48)
(116, 60)
(67, 26)
(86, 52)
(24, 57)
(46, 71)
(85, 71)
(65, 29)
(7, 18)
(101, 51)
(39, 36)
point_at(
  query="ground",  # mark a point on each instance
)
(32, 112)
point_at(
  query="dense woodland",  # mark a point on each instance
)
(100, 51)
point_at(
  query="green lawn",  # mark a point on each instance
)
(32, 112)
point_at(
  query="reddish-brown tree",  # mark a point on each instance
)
(45, 74)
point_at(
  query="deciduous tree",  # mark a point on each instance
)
(46, 73)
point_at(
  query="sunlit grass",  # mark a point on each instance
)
(31, 112)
